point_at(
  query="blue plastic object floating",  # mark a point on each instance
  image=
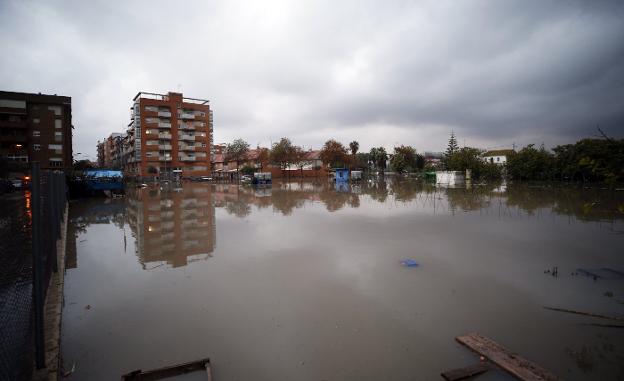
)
(409, 263)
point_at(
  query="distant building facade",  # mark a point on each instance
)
(497, 156)
(110, 151)
(168, 135)
(433, 159)
(36, 127)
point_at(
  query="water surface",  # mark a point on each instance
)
(302, 281)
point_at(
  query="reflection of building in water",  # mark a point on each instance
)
(86, 212)
(173, 226)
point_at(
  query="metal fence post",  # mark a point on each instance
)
(37, 265)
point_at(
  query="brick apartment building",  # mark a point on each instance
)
(36, 127)
(168, 135)
(110, 151)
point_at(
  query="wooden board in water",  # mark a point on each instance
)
(466, 372)
(519, 367)
(169, 371)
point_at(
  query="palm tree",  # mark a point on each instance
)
(355, 146)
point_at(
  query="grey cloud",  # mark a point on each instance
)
(496, 72)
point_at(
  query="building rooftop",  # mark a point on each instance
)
(499, 152)
(165, 97)
(39, 97)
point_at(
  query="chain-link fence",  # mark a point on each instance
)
(30, 224)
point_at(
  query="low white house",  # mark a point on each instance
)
(450, 178)
(497, 156)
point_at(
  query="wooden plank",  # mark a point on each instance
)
(465, 372)
(169, 371)
(517, 366)
(618, 318)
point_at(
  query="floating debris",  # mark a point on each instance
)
(603, 273)
(409, 263)
(585, 313)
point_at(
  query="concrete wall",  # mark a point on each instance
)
(450, 177)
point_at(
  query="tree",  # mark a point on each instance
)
(354, 146)
(263, 157)
(282, 153)
(334, 154)
(361, 160)
(152, 171)
(299, 158)
(530, 163)
(470, 158)
(405, 158)
(591, 160)
(451, 149)
(236, 151)
(80, 165)
(378, 158)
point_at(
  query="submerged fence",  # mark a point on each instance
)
(32, 225)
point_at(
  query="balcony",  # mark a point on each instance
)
(164, 158)
(184, 147)
(186, 158)
(164, 114)
(164, 125)
(164, 147)
(14, 138)
(186, 115)
(164, 136)
(187, 137)
(187, 127)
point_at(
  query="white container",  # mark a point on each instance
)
(450, 178)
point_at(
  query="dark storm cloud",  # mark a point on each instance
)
(383, 73)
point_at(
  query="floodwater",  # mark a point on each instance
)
(303, 281)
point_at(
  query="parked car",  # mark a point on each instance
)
(17, 183)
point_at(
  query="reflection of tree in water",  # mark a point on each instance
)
(377, 190)
(238, 208)
(354, 200)
(285, 201)
(583, 204)
(477, 197)
(406, 190)
(336, 200)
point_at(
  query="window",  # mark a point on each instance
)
(12, 103)
(36, 120)
(55, 146)
(36, 133)
(58, 136)
(58, 123)
(37, 147)
(151, 108)
(56, 109)
(56, 162)
(15, 118)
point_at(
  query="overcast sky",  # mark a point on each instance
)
(383, 73)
